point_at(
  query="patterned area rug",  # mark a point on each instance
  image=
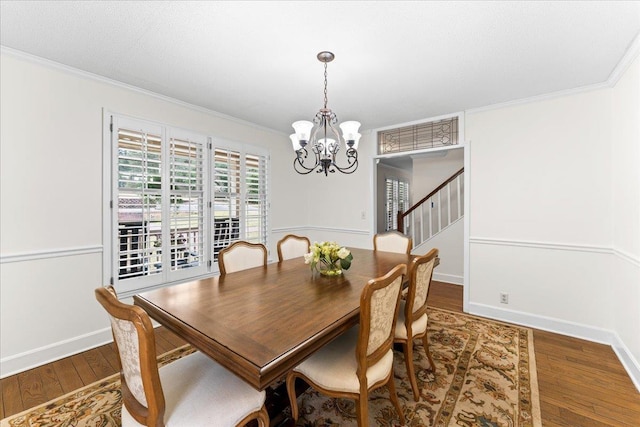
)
(485, 376)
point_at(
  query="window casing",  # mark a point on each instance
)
(177, 198)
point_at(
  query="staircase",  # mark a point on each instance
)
(435, 212)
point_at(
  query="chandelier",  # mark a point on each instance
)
(316, 149)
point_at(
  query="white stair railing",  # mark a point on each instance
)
(436, 211)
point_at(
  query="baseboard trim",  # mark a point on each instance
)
(448, 278)
(37, 357)
(630, 364)
(563, 327)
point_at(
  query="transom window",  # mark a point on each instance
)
(421, 136)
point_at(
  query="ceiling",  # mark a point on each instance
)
(395, 61)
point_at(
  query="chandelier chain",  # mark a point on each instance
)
(325, 85)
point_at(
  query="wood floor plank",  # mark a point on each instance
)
(11, 396)
(50, 383)
(175, 340)
(67, 375)
(31, 388)
(110, 356)
(83, 369)
(162, 345)
(98, 363)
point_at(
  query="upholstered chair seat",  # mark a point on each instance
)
(334, 366)
(192, 384)
(418, 326)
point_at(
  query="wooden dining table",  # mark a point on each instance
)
(261, 322)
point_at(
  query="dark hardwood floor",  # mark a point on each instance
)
(582, 384)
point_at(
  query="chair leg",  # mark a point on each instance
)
(263, 418)
(362, 410)
(425, 344)
(394, 397)
(291, 391)
(408, 360)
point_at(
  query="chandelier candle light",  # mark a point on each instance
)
(324, 141)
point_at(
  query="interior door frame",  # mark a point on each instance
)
(466, 146)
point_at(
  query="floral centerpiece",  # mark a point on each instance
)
(328, 258)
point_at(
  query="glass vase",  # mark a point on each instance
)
(329, 270)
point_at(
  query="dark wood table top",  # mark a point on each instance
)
(261, 322)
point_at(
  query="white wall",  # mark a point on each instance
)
(450, 244)
(554, 221)
(540, 224)
(625, 190)
(431, 170)
(51, 200)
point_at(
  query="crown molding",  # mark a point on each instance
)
(618, 71)
(96, 77)
(630, 55)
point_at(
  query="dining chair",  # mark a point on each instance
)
(292, 246)
(241, 255)
(333, 370)
(412, 318)
(392, 241)
(193, 390)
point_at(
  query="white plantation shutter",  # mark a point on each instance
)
(187, 202)
(159, 205)
(240, 197)
(226, 198)
(256, 198)
(397, 199)
(139, 197)
(176, 200)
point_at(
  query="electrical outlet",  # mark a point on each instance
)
(504, 298)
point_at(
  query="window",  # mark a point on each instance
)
(177, 199)
(432, 134)
(397, 199)
(240, 197)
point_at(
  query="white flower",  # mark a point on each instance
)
(308, 257)
(343, 253)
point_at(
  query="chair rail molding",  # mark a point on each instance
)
(317, 228)
(541, 245)
(51, 253)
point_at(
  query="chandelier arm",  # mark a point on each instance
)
(352, 162)
(298, 162)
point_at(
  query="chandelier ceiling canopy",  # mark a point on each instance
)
(317, 143)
